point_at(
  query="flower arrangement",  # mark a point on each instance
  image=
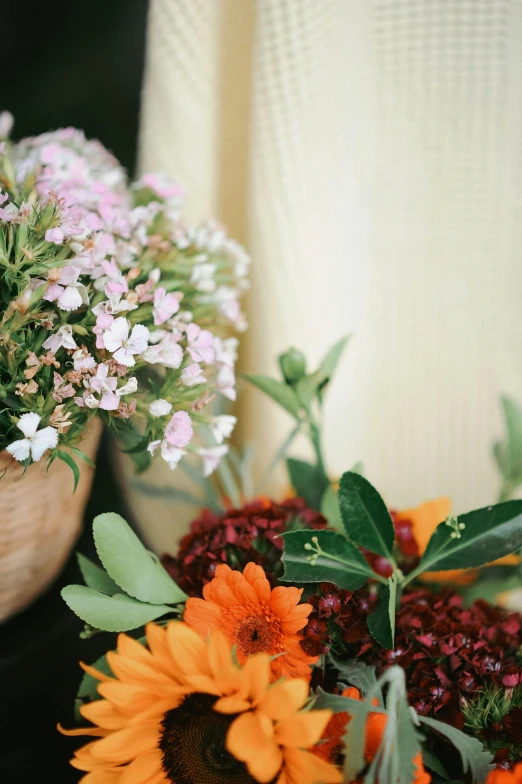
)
(325, 638)
(110, 305)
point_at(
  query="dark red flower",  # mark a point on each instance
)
(236, 537)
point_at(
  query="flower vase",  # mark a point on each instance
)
(40, 521)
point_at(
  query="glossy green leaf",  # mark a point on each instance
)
(365, 516)
(381, 622)
(330, 509)
(341, 562)
(475, 759)
(130, 564)
(308, 481)
(278, 391)
(96, 577)
(488, 534)
(117, 613)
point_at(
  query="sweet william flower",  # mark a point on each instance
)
(36, 442)
(165, 306)
(166, 352)
(56, 236)
(63, 337)
(171, 454)
(200, 344)
(65, 288)
(222, 426)
(124, 345)
(160, 408)
(106, 387)
(178, 431)
(211, 457)
(192, 375)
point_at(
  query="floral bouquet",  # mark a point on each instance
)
(324, 638)
(110, 305)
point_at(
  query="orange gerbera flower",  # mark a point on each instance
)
(254, 618)
(332, 747)
(502, 776)
(424, 519)
(183, 712)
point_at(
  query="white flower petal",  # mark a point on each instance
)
(137, 342)
(160, 407)
(71, 299)
(115, 336)
(42, 441)
(124, 358)
(28, 423)
(20, 450)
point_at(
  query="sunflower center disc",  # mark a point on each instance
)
(193, 745)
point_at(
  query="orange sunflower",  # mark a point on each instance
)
(183, 712)
(332, 748)
(254, 618)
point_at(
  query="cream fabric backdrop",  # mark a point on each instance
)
(369, 156)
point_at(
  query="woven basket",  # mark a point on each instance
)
(40, 520)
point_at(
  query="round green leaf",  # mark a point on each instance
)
(117, 613)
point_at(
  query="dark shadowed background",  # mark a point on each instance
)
(81, 64)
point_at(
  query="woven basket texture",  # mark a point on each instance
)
(40, 521)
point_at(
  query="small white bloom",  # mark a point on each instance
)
(226, 381)
(129, 388)
(192, 375)
(222, 427)
(62, 338)
(167, 352)
(83, 360)
(171, 454)
(211, 457)
(117, 340)
(202, 277)
(36, 442)
(160, 408)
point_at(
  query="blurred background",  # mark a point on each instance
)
(368, 154)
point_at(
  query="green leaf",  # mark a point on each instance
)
(88, 688)
(381, 622)
(340, 562)
(488, 534)
(130, 564)
(365, 516)
(66, 457)
(339, 704)
(330, 509)
(117, 613)
(433, 763)
(475, 758)
(82, 456)
(278, 391)
(96, 577)
(308, 481)
(358, 674)
(328, 365)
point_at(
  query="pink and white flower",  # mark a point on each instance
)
(166, 352)
(165, 305)
(211, 457)
(179, 431)
(62, 338)
(171, 454)
(65, 288)
(200, 344)
(103, 385)
(226, 382)
(83, 360)
(192, 375)
(125, 344)
(36, 442)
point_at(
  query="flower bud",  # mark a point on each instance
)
(293, 365)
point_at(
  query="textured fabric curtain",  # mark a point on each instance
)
(368, 154)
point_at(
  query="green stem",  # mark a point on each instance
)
(315, 437)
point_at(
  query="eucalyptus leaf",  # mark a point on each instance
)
(340, 562)
(366, 518)
(96, 577)
(481, 536)
(475, 758)
(330, 509)
(130, 564)
(117, 613)
(308, 480)
(278, 391)
(360, 675)
(381, 622)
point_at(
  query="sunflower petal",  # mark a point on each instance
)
(247, 741)
(125, 745)
(143, 768)
(103, 714)
(303, 729)
(284, 698)
(306, 768)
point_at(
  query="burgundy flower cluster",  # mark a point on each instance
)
(339, 618)
(450, 652)
(237, 537)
